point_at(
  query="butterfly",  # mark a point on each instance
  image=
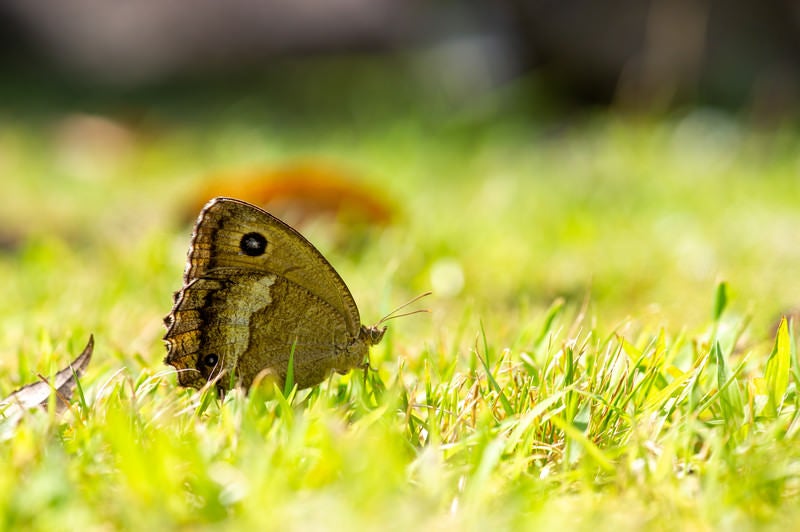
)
(256, 295)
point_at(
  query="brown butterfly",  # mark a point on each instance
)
(256, 294)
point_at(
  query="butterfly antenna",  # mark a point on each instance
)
(393, 314)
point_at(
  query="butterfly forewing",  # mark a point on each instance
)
(217, 243)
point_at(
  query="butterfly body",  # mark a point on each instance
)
(256, 294)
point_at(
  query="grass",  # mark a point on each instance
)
(615, 357)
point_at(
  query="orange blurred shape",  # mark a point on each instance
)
(301, 191)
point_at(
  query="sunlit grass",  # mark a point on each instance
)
(583, 364)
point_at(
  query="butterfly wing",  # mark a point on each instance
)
(256, 291)
(217, 243)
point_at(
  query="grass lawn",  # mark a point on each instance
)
(604, 345)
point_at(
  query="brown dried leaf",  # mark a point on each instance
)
(38, 393)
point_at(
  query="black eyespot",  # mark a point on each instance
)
(253, 244)
(210, 360)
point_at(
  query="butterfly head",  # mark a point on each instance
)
(373, 334)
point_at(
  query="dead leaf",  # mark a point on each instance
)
(300, 191)
(38, 393)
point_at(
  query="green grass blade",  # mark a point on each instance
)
(776, 373)
(288, 384)
(555, 310)
(720, 300)
(493, 382)
(574, 434)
